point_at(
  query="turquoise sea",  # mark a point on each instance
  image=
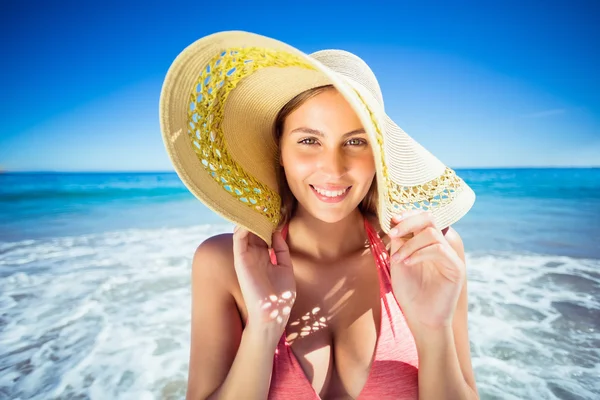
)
(94, 283)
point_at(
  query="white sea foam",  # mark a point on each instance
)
(107, 316)
(535, 325)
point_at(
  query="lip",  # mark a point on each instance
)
(326, 199)
(333, 188)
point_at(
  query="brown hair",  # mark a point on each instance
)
(368, 206)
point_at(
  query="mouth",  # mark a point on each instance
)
(331, 196)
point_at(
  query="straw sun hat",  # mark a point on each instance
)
(219, 102)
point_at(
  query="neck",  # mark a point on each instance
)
(326, 241)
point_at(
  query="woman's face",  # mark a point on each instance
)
(327, 157)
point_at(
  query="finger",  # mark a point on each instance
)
(439, 256)
(427, 253)
(411, 222)
(404, 227)
(426, 237)
(282, 251)
(405, 214)
(240, 241)
(396, 243)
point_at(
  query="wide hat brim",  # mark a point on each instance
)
(218, 104)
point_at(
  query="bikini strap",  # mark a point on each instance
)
(284, 232)
(378, 249)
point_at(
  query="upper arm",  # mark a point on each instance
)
(460, 326)
(216, 327)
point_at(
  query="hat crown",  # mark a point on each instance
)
(352, 68)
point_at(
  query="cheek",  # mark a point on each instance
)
(297, 166)
(364, 167)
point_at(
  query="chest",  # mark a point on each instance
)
(334, 325)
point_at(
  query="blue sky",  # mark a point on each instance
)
(479, 83)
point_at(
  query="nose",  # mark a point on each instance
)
(333, 164)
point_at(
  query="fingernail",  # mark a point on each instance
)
(394, 232)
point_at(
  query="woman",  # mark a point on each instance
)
(327, 313)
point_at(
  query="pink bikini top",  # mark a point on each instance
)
(394, 370)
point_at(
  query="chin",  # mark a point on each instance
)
(329, 213)
(329, 216)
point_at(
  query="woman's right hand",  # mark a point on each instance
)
(269, 290)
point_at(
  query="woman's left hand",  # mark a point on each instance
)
(427, 273)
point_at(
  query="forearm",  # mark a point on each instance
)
(250, 374)
(440, 376)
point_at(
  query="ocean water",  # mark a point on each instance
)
(94, 283)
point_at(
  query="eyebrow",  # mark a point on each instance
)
(319, 133)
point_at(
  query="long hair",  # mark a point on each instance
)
(368, 206)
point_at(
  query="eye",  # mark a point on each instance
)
(308, 141)
(356, 142)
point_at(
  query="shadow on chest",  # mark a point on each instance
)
(335, 321)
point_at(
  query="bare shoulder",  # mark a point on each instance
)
(217, 246)
(213, 259)
(214, 305)
(455, 241)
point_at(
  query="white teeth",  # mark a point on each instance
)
(329, 193)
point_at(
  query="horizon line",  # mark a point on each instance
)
(173, 171)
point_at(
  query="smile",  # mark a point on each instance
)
(330, 196)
